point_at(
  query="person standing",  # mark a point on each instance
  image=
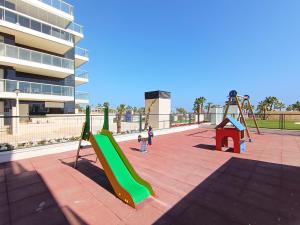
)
(150, 135)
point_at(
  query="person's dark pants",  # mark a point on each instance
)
(149, 141)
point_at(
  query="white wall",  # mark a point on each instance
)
(160, 111)
(216, 115)
(233, 111)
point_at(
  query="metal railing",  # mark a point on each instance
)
(20, 19)
(269, 120)
(81, 52)
(82, 74)
(60, 5)
(75, 27)
(80, 95)
(35, 88)
(52, 129)
(35, 56)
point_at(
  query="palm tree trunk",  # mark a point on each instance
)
(119, 123)
(198, 115)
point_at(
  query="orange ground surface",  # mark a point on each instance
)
(194, 184)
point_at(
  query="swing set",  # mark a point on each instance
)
(241, 102)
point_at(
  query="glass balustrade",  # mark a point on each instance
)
(35, 88)
(81, 52)
(82, 74)
(34, 56)
(14, 17)
(60, 5)
(75, 27)
(81, 95)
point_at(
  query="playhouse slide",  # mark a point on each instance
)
(127, 184)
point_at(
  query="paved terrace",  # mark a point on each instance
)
(194, 185)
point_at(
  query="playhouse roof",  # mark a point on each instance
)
(233, 121)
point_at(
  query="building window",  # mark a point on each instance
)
(35, 25)
(10, 5)
(10, 17)
(24, 21)
(46, 29)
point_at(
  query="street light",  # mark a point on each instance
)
(17, 92)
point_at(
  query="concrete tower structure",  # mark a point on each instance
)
(158, 105)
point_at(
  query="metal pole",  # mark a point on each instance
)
(253, 115)
(243, 119)
(227, 108)
(140, 122)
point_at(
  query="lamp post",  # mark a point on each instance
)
(17, 91)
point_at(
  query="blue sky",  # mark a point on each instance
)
(191, 48)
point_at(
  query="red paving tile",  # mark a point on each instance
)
(193, 183)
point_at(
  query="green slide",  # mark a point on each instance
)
(121, 168)
(125, 181)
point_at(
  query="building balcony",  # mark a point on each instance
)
(55, 7)
(35, 33)
(29, 61)
(81, 77)
(81, 56)
(76, 30)
(81, 97)
(32, 91)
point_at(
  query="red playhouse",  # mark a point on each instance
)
(236, 132)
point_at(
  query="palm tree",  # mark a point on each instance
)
(106, 104)
(198, 104)
(98, 107)
(280, 105)
(262, 107)
(135, 110)
(289, 108)
(182, 114)
(120, 112)
(181, 110)
(141, 110)
(271, 102)
(208, 107)
(296, 106)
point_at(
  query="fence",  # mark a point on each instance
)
(283, 121)
(30, 131)
(22, 132)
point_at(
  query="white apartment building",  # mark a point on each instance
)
(39, 58)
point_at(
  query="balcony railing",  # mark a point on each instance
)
(82, 74)
(20, 19)
(60, 5)
(35, 88)
(35, 56)
(81, 95)
(81, 52)
(75, 27)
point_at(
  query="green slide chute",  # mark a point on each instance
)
(127, 184)
(138, 192)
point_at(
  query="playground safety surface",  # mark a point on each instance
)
(194, 184)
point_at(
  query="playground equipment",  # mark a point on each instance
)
(235, 99)
(127, 184)
(237, 133)
(144, 143)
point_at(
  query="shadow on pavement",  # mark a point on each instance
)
(242, 191)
